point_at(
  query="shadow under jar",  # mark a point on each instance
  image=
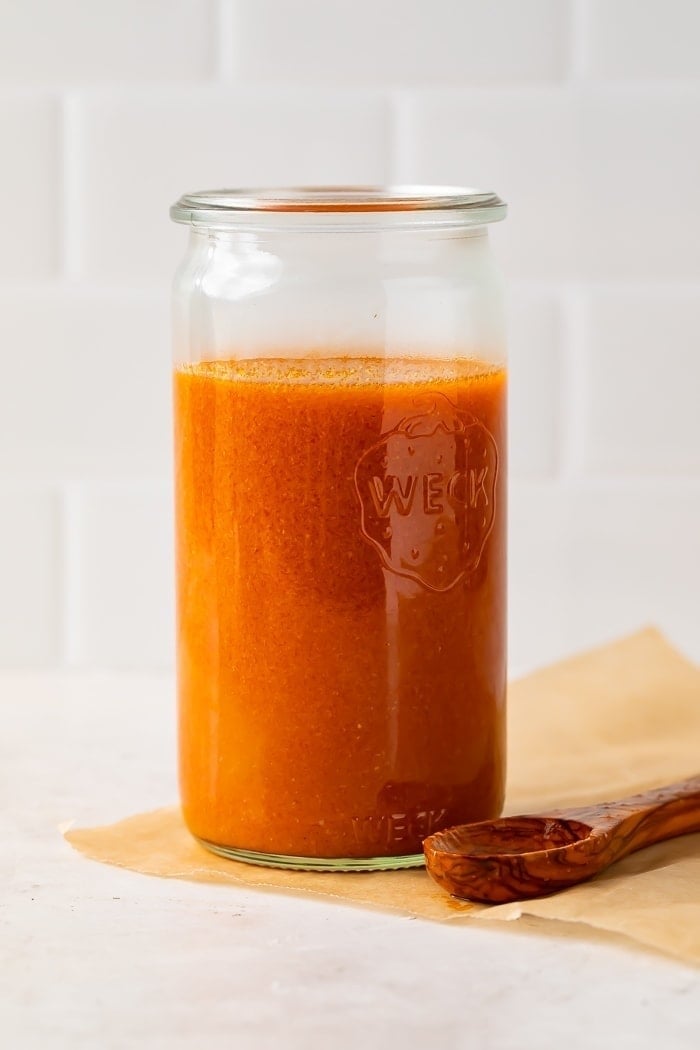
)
(340, 443)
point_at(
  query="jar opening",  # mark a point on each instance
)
(434, 205)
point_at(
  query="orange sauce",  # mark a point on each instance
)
(341, 601)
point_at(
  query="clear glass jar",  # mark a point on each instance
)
(340, 443)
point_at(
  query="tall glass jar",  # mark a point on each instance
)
(340, 444)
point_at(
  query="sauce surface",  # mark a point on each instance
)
(341, 601)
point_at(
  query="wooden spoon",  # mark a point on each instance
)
(515, 858)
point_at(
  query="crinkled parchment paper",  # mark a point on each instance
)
(608, 723)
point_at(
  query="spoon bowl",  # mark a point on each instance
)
(516, 858)
(512, 836)
(497, 860)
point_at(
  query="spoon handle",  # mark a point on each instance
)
(640, 820)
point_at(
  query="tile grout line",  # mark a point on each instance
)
(224, 42)
(71, 567)
(151, 286)
(400, 133)
(578, 42)
(60, 574)
(571, 423)
(70, 197)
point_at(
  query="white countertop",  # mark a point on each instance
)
(93, 956)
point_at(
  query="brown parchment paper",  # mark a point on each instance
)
(610, 722)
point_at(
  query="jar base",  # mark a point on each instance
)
(275, 860)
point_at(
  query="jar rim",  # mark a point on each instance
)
(458, 205)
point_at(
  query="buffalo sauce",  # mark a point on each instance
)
(341, 601)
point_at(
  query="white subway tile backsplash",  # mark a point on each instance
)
(380, 42)
(86, 384)
(503, 140)
(29, 186)
(642, 383)
(537, 537)
(80, 41)
(590, 562)
(30, 575)
(583, 114)
(587, 562)
(639, 172)
(122, 608)
(534, 388)
(632, 560)
(643, 39)
(598, 182)
(140, 153)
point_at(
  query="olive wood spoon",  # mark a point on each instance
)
(515, 858)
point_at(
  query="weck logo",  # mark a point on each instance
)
(427, 491)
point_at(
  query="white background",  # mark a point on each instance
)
(584, 115)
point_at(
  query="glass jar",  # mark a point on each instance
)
(340, 444)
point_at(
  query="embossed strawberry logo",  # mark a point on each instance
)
(426, 490)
